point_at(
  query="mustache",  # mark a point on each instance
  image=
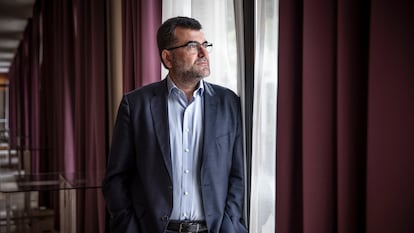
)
(202, 59)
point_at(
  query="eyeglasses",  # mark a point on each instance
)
(194, 46)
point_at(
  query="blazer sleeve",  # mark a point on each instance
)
(233, 216)
(117, 181)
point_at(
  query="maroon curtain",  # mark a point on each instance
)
(33, 30)
(19, 101)
(14, 100)
(24, 98)
(390, 147)
(57, 87)
(345, 110)
(141, 62)
(90, 108)
(73, 81)
(14, 83)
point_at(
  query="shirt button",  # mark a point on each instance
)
(187, 130)
(185, 193)
(187, 150)
(186, 171)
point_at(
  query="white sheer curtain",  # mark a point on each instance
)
(263, 179)
(217, 18)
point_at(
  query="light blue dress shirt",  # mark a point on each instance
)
(186, 138)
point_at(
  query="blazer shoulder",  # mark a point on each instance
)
(148, 90)
(214, 89)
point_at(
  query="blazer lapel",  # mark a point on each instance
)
(160, 119)
(210, 117)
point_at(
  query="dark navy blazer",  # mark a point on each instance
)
(138, 183)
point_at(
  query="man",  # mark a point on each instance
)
(176, 162)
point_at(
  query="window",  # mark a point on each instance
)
(217, 18)
(219, 25)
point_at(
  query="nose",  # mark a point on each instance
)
(202, 52)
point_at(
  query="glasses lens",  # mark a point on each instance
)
(208, 46)
(195, 47)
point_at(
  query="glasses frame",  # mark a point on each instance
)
(206, 45)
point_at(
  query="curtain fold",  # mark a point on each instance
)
(319, 116)
(289, 202)
(141, 61)
(90, 108)
(390, 150)
(14, 100)
(344, 110)
(34, 91)
(352, 97)
(56, 72)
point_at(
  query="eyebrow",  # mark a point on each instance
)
(193, 41)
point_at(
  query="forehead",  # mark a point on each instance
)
(186, 34)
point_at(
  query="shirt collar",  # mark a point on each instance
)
(171, 86)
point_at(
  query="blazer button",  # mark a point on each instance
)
(165, 218)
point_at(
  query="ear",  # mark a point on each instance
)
(167, 58)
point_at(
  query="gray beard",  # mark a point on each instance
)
(190, 75)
